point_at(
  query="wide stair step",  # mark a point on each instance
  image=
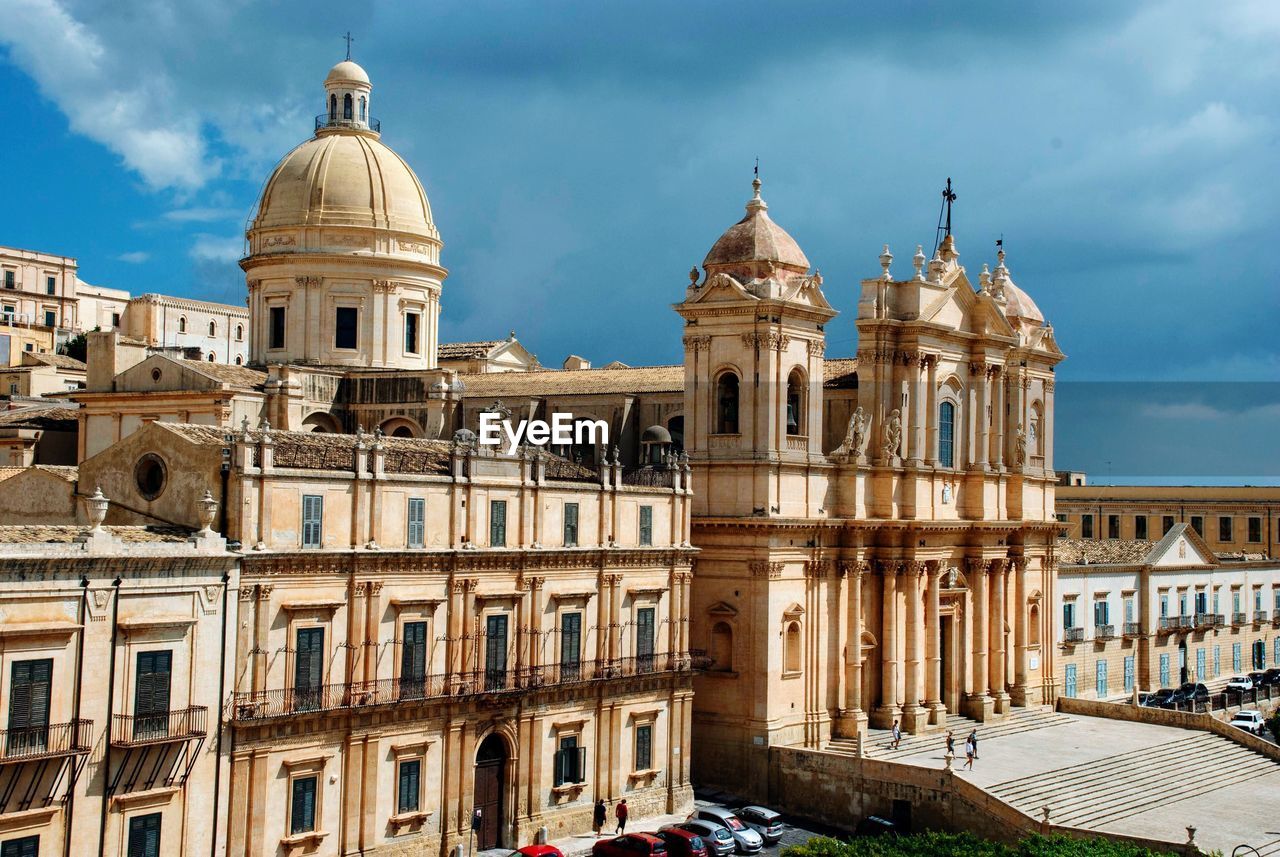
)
(878, 741)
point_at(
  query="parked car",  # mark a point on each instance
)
(1250, 720)
(1144, 699)
(1271, 678)
(683, 843)
(1190, 692)
(538, 851)
(1160, 697)
(764, 821)
(715, 836)
(746, 839)
(874, 825)
(1240, 683)
(630, 845)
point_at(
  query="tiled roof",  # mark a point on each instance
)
(466, 350)
(38, 416)
(561, 382)
(9, 472)
(1100, 551)
(236, 376)
(61, 361)
(27, 534)
(840, 372)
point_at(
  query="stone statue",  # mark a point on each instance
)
(946, 494)
(1020, 446)
(855, 438)
(893, 435)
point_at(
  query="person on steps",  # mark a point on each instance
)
(973, 739)
(969, 753)
(897, 735)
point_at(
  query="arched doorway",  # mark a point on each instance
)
(491, 787)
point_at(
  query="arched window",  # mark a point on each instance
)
(182, 324)
(795, 402)
(722, 647)
(213, 329)
(333, 107)
(947, 434)
(1035, 431)
(791, 648)
(1033, 625)
(364, 104)
(239, 360)
(346, 106)
(727, 404)
(212, 357)
(239, 333)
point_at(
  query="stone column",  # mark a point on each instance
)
(470, 641)
(980, 425)
(997, 662)
(1019, 630)
(615, 616)
(914, 716)
(1047, 425)
(931, 406)
(915, 439)
(853, 719)
(888, 710)
(999, 394)
(933, 644)
(979, 706)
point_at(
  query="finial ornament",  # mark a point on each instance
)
(207, 507)
(98, 504)
(693, 275)
(886, 259)
(917, 261)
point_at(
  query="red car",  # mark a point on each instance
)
(537, 851)
(682, 843)
(630, 845)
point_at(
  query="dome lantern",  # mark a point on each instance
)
(346, 97)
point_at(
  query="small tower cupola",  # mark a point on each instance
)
(346, 99)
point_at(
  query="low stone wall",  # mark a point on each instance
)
(839, 791)
(1165, 717)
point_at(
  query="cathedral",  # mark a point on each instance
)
(425, 637)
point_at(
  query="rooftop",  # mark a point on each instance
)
(467, 350)
(61, 361)
(64, 535)
(236, 376)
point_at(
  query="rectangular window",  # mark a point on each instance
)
(308, 668)
(276, 338)
(1113, 526)
(1068, 615)
(1235, 601)
(570, 646)
(413, 660)
(1164, 670)
(417, 519)
(1164, 604)
(1224, 529)
(410, 791)
(346, 320)
(644, 747)
(570, 761)
(1275, 657)
(1101, 613)
(1139, 526)
(646, 526)
(1215, 601)
(495, 652)
(1197, 524)
(411, 332)
(1255, 530)
(1236, 660)
(946, 434)
(1167, 524)
(1257, 599)
(1100, 686)
(1069, 686)
(312, 520)
(8, 279)
(50, 318)
(1128, 674)
(1217, 661)
(1063, 532)
(115, 319)
(29, 691)
(1086, 526)
(302, 809)
(1182, 604)
(497, 523)
(1202, 670)
(50, 285)
(571, 525)
(144, 835)
(1128, 609)
(26, 846)
(1202, 602)
(152, 685)
(644, 639)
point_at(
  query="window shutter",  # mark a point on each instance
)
(580, 764)
(414, 657)
(304, 805)
(409, 779)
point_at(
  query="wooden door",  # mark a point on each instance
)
(491, 763)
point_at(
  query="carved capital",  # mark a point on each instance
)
(768, 570)
(389, 287)
(817, 347)
(997, 566)
(697, 343)
(779, 342)
(817, 568)
(308, 282)
(246, 593)
(1048, 386)
(854, 567)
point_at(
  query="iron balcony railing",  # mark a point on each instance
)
(1208, 620)
(327, 120)
(37, 742)
(1176, 623)
(250, 706)
(1075, 635)
(1104, 632)
(652, 476)
(131, 730)
(1238, 619)
(1132, 629)
(1259, 616)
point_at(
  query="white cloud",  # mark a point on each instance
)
(136, 257)
(201, 215)
(214, 248)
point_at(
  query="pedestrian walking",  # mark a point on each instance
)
(598, 819)
(969, 755)
(897, 735)
(973, 739)
(621, 812)
(951, 743)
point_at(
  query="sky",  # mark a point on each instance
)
(581, 157)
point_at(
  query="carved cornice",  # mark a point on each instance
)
(697, 343)
(768, 570)
(389, 287)
(309, 282)
(374, 564)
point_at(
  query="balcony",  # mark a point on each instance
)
(1132, 629)
(651, 476)
(290, 702)
(1074, 635)
(1259, 617)
(325, 120)
(1176, 623)
(797, 442)
(1104, 632)
(129, 730)
(44, 742)
(1238, 619)
(1208, 620)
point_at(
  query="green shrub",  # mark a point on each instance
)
(963, 845)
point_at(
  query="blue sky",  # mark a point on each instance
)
(580, 157)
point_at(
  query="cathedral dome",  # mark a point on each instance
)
(1020, 305)
(345, 178)
(347, 72)
(756, 238)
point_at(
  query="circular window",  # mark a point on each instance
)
(155, 374)
(150, 475)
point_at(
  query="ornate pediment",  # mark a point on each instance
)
(722, 609)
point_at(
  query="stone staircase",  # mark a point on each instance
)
(1097, 793)
(877, 741)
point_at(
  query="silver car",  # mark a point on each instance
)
(718, 839)
(764, 821)
(746, 839)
